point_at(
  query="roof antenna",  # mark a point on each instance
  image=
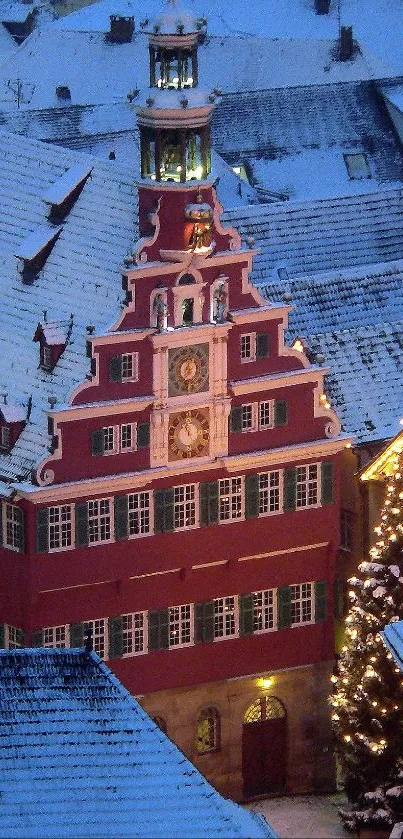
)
(88, 645)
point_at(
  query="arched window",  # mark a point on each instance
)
(186, 279)
(265, 708)
(208, 731)
(161, 723)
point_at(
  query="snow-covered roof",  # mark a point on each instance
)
(174, 14)
(13, 413)
(55, 332)
(7, 44)
(81, 758)
(36, 241)
(393, 639)
(62, 188)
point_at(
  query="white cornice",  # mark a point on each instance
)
(183, 336)
(119, 337)
(72, 413)
(266, 312)
(276, 380)
(146, 269)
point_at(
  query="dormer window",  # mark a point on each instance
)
(12, 422)
(34, 251)
(52, 337)
(46, 357)
(5, 438)
(63, 193)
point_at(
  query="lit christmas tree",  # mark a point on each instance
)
(368, 690)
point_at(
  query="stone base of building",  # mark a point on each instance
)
(269, 734)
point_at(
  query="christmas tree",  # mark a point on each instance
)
(367, 701)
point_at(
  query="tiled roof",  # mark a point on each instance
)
(80, 758)
(393, 638)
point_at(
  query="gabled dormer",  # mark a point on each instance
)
(52, 337)
(63, 193)
(34, 250)
(13, 418)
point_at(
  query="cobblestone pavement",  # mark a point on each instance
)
(304, 816)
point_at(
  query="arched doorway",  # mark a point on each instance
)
(264, 747)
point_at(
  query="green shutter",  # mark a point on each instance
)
(284, 606)
(20, 637)
(143, 435)
(42, 531)
(115, 626)
(280, 412)
(204, 621)
(168, 510)
(97, 441)
(245, 614)
(159, 497)
(37, 638)
(290, 488)
(158, 629)
(121, 517)
(320, 600)
(76, 635)
(115, 368)
(2, 636)
(236, 418)
(251, 496)
(338, 599)
(262, 345)
(81, 524)
(327, 482)
(208, 495)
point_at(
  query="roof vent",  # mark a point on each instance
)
(63, 93)
(121, 29)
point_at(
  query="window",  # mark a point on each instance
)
(128, 437)
(139, 513)
(99, 521)
(264, 610)
(248, 347)
(55, 636)
(134, 633)
(180, 625)
(60, 524)
(5, 437)
(47, 360)
(307, 486)
(110, 442)
(346, 530)
(302, 603)
(208, 731)
(185, 506)
(225, 617)
(266, 415)
(14, 638)
(14, 528)
(230, 498)
(112, 439)
(270, 492)
(357, 166)
(98, 628)
(249, 417)
(130, 366)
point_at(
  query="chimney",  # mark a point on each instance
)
(322, 7)
(121, 29)
(346, 43)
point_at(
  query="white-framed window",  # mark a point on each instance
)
(99, 635)
(61, 527)
(307, 486)
(264, 610)
(111, 439)
(5, 437)
(55, 636)
(134, 633)
(130, 366)
(248, 347)
(180, 625)
(14, 637)
(302, 603)
(270, 492)
(231, 498)
(226, 617)
(266, 414)
(139, 513)
(46, 357)
(249, 416)
(13, 527)
(100, 524)
(185, 506)
(128, 441)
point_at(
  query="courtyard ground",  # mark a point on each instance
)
(304, 816)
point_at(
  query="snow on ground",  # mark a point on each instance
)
(303, 816)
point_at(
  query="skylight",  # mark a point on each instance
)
(357, 166)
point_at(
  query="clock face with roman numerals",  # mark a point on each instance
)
(188, 434)
(188, 369)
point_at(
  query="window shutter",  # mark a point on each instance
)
(204, 621)
(81, 524)
(338, 599)
(208, 494)
(115, 626)
(97, 441)
(37, 638)
(290, 488)
(168, 510)
(115, 368)
(284, 607)
(327, 482)
(251, 496)
(158, 629)
(143, 435)
(21, 528)
(280, 412)
(163, 510)
(121, 517)
(76, 635)
(2, 636)
(236, 418)
(246, 614)
(262, 345)
(320, 601)
(42, 532)
(20, 636)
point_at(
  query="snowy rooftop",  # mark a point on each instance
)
(80, 758)
(393, 638)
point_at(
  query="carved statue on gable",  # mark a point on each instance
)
(220, 302)
(159, 311)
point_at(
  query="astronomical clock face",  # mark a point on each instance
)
(188, 370)
(188, 434)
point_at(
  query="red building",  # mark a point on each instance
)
(188, 511)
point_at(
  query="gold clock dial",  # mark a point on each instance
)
(188, 369)
(189, 434)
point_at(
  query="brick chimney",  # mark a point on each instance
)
(346, 43)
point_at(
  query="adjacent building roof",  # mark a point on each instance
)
(393, 639)
(80, 758)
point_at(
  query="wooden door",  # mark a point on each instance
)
(264, 756)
